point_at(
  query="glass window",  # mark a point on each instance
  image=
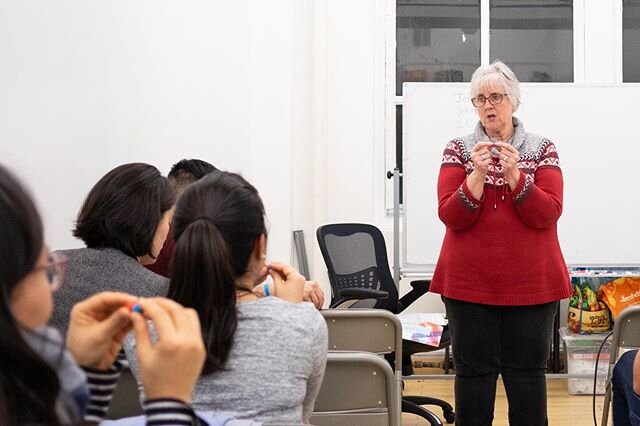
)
(436, 40)
(631, 41)
(534, 38)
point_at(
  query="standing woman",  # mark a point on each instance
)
(500, 272)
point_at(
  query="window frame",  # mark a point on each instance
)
(580, 64)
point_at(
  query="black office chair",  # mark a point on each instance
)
(358, 268)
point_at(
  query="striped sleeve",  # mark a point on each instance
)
(101, 386)
(170, 412)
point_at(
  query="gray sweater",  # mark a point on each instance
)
(91, 271)
(275, 367)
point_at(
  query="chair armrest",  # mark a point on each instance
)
(363, 293)
(421, 285)
(419, 288)
(351, 296)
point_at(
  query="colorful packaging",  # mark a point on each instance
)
(587, 314)
(620, 293)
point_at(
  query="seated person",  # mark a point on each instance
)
(40, 381)
(182, 174)
(123, 222)
(625, 384)
(265, 355)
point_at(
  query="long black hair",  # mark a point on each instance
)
(28, 386)
(216, 224)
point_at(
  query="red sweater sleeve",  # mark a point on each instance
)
(457, 208)
(538, 199)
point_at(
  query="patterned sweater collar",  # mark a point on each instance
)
(525, 143)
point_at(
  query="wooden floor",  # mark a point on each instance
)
(563, 409)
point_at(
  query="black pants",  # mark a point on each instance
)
(513, 341)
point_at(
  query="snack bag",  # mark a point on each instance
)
(620, 293)
(586, 313)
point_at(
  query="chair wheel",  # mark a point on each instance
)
(450, 417)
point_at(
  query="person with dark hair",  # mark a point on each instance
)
(123, 222)
(40, 381)
(188, 171)
(219, 259)
(182, 174)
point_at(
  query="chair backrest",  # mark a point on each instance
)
(626, 334)
(356, 257)
(375, 331)
(365, 330)
(358, 388)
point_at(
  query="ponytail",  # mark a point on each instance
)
(216, 224)
(201, 272)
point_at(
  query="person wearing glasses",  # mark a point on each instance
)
(41, 382)
(123, 222)
(500, 272)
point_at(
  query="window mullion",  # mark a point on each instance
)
(618, 65)
(484, 31)
(578, 42)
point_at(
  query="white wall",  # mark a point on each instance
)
(89, 85)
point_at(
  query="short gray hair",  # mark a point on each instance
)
(497, 72)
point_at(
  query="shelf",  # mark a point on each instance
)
(604, 272)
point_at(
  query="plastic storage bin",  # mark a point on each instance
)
(581, 351)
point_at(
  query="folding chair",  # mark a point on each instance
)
(626, 334)
(357, 264)
(358, 389)
(380, 332)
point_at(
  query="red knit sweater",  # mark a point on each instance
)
(508, 254)
(163, 262)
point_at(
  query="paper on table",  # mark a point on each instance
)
(423, 328)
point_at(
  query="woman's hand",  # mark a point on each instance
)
(288, 283)
(313, 293)
(481, 157)
(170, 367)
(509, 158)
(97, 328)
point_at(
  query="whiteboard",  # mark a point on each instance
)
(595, 129)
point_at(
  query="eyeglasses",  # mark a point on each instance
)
(55, 267)
(494, 99)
